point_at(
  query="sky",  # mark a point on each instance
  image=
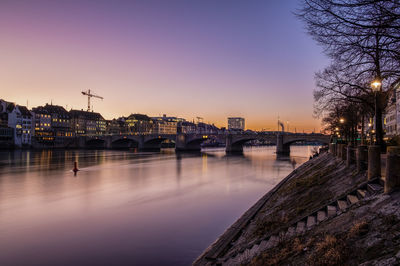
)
(195, 58)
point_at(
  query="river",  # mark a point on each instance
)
(127, 208)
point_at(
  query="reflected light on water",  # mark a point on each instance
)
(122, 207)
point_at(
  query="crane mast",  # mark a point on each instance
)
(89, 94)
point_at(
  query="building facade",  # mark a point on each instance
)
(60, 120)
(165, 124)
(236, 123)
(52, 124)
(392, 116)
(187, 127)
(20, 119)
(42, 125)
(139, 124)
(6, 132)
(117, 126)
(87, 123)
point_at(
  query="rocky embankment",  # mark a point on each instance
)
(323, 213)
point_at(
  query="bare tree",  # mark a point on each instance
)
(362, 38)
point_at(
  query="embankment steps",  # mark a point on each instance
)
(334, 208)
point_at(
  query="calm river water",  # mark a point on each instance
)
(126, 208)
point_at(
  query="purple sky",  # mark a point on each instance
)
(205, 58)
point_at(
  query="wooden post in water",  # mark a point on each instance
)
(75, 170)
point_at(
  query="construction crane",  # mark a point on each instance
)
(89, 94)
(199, 119)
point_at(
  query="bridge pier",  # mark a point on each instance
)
(281, 148)
(108, 142)
(152, 145)
(183, 143)
(231, 147)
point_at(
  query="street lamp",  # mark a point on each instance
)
(376, 87)
(341, 120)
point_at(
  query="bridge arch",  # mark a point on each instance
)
(190, 142)
(124, 143)
(236, 145)
(154, 143)
(95, 143)
(290, 142)
(195, 144)
(284, 142)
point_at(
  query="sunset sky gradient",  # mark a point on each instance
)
(204, 58)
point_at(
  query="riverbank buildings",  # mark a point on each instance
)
(166, 124)
(236, 123)
(117, 126)
(139, 124)
(87, 123)
(392, 116)
(20, 119)
(43, 130)
(6, 132)
(52, 124)
(187, 127)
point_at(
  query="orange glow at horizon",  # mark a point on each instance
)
(150, 59)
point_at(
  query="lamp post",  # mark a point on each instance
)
(376, 87)
(342, 120)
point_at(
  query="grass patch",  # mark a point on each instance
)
(285, 249)
(266, 225)
(329, 249)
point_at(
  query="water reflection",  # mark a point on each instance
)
(124, 207)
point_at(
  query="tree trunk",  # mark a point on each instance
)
(362, 129)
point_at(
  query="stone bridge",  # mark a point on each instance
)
(126, 141)
(283, 142)
(192, 141)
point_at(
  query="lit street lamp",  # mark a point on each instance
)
(376, 87)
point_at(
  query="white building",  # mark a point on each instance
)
(392, 116)
(165, 124)
(235, 123)
(21, 120)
